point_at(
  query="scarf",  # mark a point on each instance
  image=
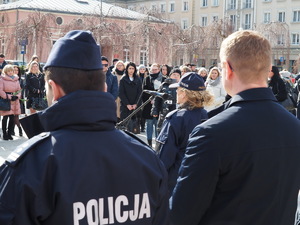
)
(213, 83)
(119, 72)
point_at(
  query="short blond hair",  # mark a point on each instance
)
(8, 68)
(248, 53)
(196, 99)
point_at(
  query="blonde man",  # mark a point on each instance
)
(242, 165)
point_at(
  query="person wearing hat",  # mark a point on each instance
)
(76, 172)
(172, 140)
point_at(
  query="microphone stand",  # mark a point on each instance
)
(121, 125)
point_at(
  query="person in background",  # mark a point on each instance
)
(161, 107)
(10, 88)
(3, 63)
(193, 67)
(242, 165)
(172, 140)
(185, 69)
(111, 79)
(203, 73)
(277, 84)
(129, 93)
(35, 84)
(165, 70)
(81, 170)
(115, 60)
(152, 83)
(36, 59)
(119, 71)
(17, 72)
(215, 87)
(142, 74)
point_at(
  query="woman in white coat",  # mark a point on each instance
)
(215, 87)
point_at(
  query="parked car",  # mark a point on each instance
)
(16, 62)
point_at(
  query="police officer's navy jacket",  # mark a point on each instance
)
(172, 140)
(241, 167)
(83, 171)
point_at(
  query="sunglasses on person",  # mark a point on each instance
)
(106, 65)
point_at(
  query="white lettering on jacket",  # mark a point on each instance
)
(108, 210)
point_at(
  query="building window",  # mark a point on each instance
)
(184, 23)
(143, 56)
(204, 3)
(185, 6)
(247, 4)
(247, 21)
(163, 7)
(266, 0)
(203, 21)
(131, 7)
(215, 18)
(295, 39)
(233, 21)
(215, 3)
(153, 7)
(281, 17)
(126, 54)
(59, 20)
(280, 39)
(296, 16)
(172, 6)
(267, 17)
(232, 4)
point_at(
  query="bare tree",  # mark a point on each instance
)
(278, 35)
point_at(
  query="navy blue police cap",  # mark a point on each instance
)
(190, 81)
(77, 49)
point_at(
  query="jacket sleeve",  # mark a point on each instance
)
(122, 94)
(2, 92)
(115, 87)
(29, 86)
(281, 94)
(198, 177)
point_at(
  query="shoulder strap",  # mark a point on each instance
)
(17, 155)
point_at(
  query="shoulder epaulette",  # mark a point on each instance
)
(21, 150)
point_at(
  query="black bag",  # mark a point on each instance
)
(39, 103)
(5, 104)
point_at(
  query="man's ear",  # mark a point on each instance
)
(229, 71)
(57, 91)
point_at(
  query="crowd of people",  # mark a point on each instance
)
(226, 151)
(20, 89)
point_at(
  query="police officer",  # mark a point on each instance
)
(72, 173)
(172, 140)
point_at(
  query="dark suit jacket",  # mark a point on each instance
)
(242, 166)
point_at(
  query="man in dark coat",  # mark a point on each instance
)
(2, 62)
(81, 170)
(111, 79)
(241, 166)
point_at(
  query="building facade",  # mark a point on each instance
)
(31, 27)
(279, 20)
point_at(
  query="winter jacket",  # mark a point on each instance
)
(241, 166)
(278, 88)
(77, 173)
(172, 140)
(218, 91)
(129, 93)
(10, 86)
(112, 84)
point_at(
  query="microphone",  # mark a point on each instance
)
(164, 96)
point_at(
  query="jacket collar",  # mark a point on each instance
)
(81, 110)
(254, 94)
